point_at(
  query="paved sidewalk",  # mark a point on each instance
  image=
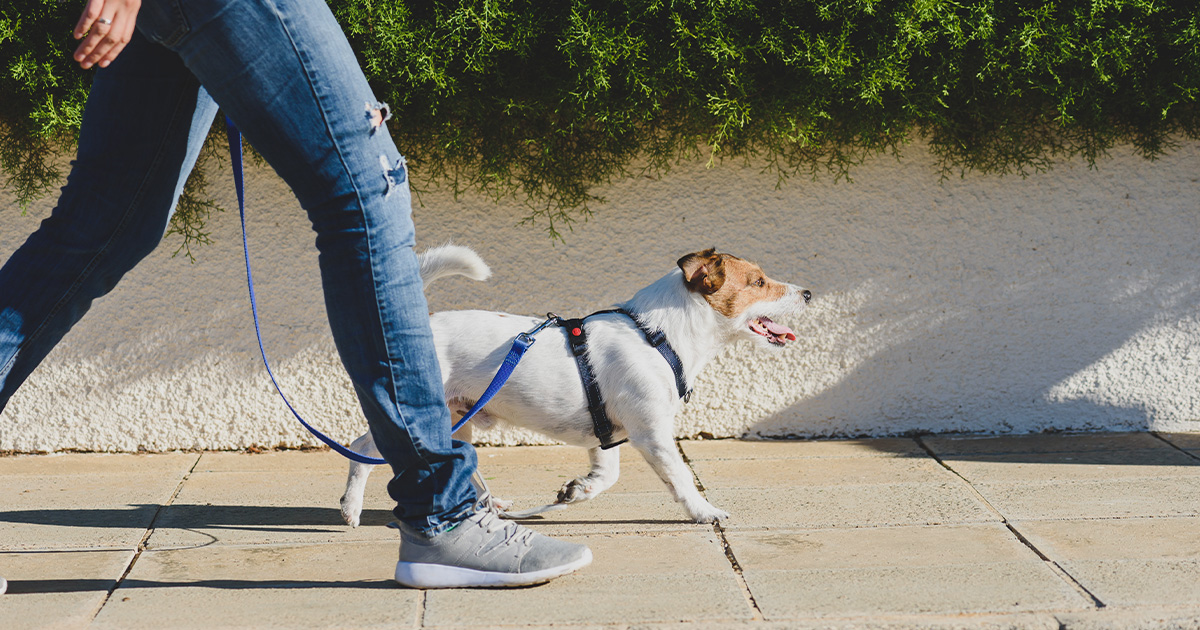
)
(1047, 531)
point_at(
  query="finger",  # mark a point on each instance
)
(103, 45)
(96, 34)
(88, 46)
(113, 52)
(110, 42)
(91, 12)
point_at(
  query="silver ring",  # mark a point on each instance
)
(104, 21)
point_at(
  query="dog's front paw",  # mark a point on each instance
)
(708, 514)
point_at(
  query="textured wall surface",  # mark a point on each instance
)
(1063, 301)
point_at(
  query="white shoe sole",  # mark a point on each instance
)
(419, 575)
(3, 585)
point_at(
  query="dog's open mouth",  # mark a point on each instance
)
(777, 334)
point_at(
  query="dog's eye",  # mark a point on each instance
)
(759, 283)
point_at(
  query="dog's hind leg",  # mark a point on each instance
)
(356, 480)
(606, 468)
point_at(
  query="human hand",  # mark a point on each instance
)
(105, 27)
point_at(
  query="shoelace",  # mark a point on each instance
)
(492, 522)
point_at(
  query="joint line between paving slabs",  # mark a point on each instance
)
(755, 612)
(1058, 570)
(141, 546)
(1174, 445)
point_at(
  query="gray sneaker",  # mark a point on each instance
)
(485, 550)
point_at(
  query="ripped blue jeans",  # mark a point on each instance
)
(283, 71)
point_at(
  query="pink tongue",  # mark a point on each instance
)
(779, 330)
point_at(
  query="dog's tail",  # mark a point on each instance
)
(452, 260)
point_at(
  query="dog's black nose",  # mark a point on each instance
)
(806, 294)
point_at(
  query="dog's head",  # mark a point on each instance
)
(741, 292)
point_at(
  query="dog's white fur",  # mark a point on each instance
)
(697, 305)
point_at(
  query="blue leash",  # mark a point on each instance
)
(520, 344)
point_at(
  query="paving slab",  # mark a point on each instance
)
(1123, 583)
(1074, 466)
(851, 505)
(545, 480)
(829, 534)
(671, 577)
(894, 590)
(698, 450)
(944, 446)
(1181, 618)
(1126, 562)
(631, 513)
(57, 589)
(222, 508)
(839, 573)
(748, 473)
(174, 464)
(300, 461)
(878, 547)
(1165, 618)
(1157, 496)
(1024, 621)
(264, 586)
(110, 510)
(1115, 539)
(1021, 621)
(507, 474)
(325, 460)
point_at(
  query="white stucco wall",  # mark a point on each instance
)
(1064, 301)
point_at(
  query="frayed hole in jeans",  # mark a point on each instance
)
(394, 175)
(378, 114)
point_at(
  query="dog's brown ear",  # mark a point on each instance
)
(704, 272)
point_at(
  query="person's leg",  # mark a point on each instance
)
(285, 74)
(143, 127)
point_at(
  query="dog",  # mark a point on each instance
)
(709, 301)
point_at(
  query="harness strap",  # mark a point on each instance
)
(658, 339)
(577, 338)
(602, 426)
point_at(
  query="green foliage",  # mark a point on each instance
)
(544, 100)
(42, 96)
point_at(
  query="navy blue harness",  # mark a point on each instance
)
(577, 337)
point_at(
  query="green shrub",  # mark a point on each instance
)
(546, 99)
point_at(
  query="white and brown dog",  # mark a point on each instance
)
(710, 301)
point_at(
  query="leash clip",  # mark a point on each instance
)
(527, 337)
